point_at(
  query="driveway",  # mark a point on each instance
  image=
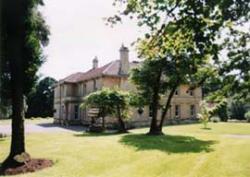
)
(43, 127)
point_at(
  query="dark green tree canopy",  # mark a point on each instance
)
(40, 100)
(35, 37)
(24, 34)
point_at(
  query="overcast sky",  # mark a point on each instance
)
(79, 33)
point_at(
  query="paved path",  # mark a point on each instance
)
(43, 127)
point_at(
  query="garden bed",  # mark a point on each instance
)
(32, 165)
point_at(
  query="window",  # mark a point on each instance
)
(94, 85)
(177, 111)
(192, 110)
(76, 111)
(84, 89)
(177, 91)
(191, 92)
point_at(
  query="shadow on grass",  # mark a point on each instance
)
(168, 143)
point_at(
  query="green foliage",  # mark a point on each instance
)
(40, 100)
(221, 110)
(247, 116)
(157, 78)
(101, 100)
(24, 36)
(205, 114)
(187, 38)
(215, 119)
(237, 110)
(109, 102)
(2, 135)
(208, 110)
(145, 78)
(34, 38)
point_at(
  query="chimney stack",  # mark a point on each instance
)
(95, 63)
(124, 60)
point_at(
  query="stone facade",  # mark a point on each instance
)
(70, 93)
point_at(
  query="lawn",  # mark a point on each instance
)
(185, 151)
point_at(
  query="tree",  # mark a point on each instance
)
(186, 35)
(24, 33)
(99, 99)
(247, 116)
(40, 100)
(120, 105)
(110, 103)
(158, 79)
(237, 110)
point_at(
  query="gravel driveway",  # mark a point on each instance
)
(45, 127)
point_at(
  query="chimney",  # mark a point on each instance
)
(95, 63)
(124, 60)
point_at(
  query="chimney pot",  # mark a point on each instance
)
(95, 63)
(124, 60)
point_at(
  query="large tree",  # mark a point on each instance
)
(185, 35)
(110, 103)
(24, 33)
(40, 100)
(158, 79)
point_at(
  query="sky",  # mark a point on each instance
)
(79, 33)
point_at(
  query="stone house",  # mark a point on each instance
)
(70, 93)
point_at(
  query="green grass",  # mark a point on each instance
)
(185, 151)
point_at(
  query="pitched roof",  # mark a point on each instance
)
(92, 73)
(110, 69)
(72, 78)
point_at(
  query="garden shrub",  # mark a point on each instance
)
(222, 112)
(2, 135)
(237, 110)
(247, 116)
(215, 119)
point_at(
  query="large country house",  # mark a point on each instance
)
(70, 93)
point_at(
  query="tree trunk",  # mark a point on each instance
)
(14, 54)
(122, 128)
(154, 129)
(103, 123)
(167, 106)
